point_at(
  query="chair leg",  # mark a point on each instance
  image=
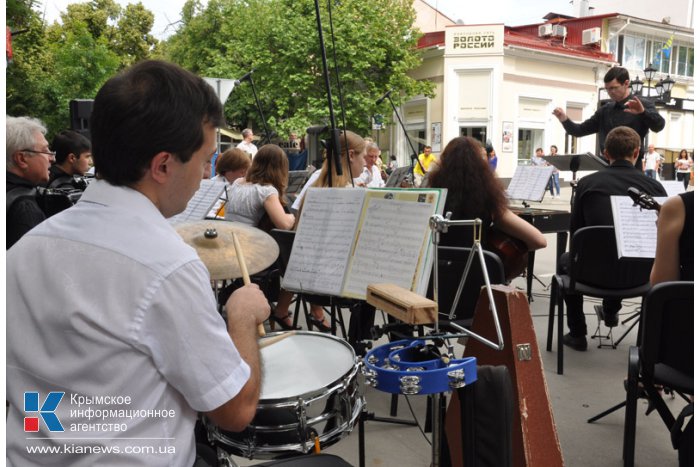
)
(553, 293)
(560, 332)
(631, 408)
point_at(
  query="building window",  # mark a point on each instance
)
(660, 57)
(529, 139)
(478, 132)
(633, 52)
(684, 56)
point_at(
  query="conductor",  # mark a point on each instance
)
(114, 341)
(623, 109)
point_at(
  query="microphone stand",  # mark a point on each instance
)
(334, 146)
(260, 111)
(414, 156)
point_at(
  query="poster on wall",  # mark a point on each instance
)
(436, 136)
(507, 137)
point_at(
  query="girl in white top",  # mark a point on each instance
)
(352, 157)
(262, 191)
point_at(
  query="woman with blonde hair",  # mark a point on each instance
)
(262, 190)
(352, 160)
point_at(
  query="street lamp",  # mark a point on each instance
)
(662, 88)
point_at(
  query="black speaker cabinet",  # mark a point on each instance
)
(80, 111)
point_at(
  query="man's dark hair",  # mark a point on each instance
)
(152, 107)
(618, 73)
(69, 142)
(621, 142)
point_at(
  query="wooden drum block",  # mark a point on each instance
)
(402, 304)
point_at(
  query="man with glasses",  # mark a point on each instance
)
(624, 109)
(28, 160)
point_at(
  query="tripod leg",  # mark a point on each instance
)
(607, 412)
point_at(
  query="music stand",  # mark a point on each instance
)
(397, 176)
(529, 183)
(574, 163)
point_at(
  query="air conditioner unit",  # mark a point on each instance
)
(559, 30)
(590, 36)
(544, 30)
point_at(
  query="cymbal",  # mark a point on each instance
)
(213, 241)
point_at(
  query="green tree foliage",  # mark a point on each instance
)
(372, 49)
(71, 60)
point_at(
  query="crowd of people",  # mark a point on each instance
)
(115, 275)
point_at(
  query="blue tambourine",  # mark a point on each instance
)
(409, 367)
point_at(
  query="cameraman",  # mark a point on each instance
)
(73, 160)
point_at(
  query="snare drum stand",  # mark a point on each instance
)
(369, 416)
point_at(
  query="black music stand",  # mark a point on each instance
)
(574, 163)
(398, 176)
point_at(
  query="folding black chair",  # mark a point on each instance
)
(594, 270)
(664, 357)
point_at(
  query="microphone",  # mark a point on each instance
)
(381, 99)
(245, 77)
(236, 83)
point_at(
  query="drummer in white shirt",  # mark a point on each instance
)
(371, 176)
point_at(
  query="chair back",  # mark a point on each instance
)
(451, 264)
(667, 328)
(285, 241)
(593, 261)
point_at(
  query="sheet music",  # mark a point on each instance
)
(393, 237)
(673, 187)
(635, 228)
(323, 240)
(529, 182)
(201, 203)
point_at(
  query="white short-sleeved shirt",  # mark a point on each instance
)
(106, 302)
(246, 201)
(250, 148)
(371, 179)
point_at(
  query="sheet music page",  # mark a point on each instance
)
(393, 245)
(673, 187)
(327, 229)
(529, 182)
(201, 203)
(635, 228)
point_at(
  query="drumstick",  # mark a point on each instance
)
(244, 272)
(273, 340)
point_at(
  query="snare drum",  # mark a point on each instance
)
(309, 389)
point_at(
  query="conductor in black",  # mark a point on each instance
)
(624, 109)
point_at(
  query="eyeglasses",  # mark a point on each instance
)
(48, 153)
(614, 88)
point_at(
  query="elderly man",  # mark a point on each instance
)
(27, 160)
(247, 143)
(371, 176)
(73, 159)
(623, 109)
(111, 362)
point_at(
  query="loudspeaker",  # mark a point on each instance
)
(80, 111)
